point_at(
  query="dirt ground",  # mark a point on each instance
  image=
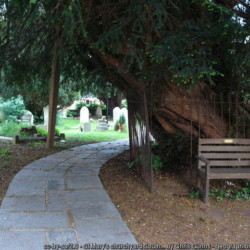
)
(168, 215)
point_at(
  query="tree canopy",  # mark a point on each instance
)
(162, 48)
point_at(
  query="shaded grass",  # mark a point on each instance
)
(71, 128)
(11, 128)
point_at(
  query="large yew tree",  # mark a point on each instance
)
(177, 52)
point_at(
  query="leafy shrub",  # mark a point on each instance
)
(195, 194)
(71, 113)
(11, 109)
(124, 104)
(57, 131)
(120, 123)
(243, 193)
(157, 162)
(80, 105)
(175, 150)
(41, 131)
(10, 128)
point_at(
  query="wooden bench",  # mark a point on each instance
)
(222, 159)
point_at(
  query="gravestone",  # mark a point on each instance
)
(86, 127)
(27, 117)
(116, 114)
(124, 112)
(63, 112)
(46, 116)
(84, 115)
(98, 112)
(84, 120)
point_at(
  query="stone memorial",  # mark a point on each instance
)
(85, 125)
(124, 112)
(98, 112)
(46, 116)
(27, 117)
(116, 114)
(84, 115)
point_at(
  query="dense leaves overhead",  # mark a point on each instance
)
(139, 46)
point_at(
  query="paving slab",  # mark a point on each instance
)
(110, 230)
(77, 182)
(95, 210)
(23, 204)
(22, 240)
(26, 188)
(78, 196)
(34, 220)
(62, 237)
(61, 200)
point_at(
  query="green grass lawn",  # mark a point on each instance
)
(71, 128)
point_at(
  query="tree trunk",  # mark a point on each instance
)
(53, 98)
(193, 111)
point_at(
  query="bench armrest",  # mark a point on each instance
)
(206, 161)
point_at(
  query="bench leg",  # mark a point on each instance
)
(198, 181)
(206, 196)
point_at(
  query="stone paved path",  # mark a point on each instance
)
(60, 200)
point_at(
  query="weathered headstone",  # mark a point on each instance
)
(27, 117)
(124, 112)
(98, 112)
(84, 115)
(86, 127)
(84, 120)
(46, 116)
(116, 114)
(63, 112)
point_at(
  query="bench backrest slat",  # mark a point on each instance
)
(222, 141)
(225, 152)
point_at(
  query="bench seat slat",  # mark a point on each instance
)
(225, 163)
(228, 155)
(224, 148)
(227, 173)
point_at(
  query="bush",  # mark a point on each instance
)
(157, 162)
(10, 128)
(124, 104)
(80, 105)
(11, 109)
(71, 113)
(120, 123)
(41, 131)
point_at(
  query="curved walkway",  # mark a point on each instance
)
(61, 200)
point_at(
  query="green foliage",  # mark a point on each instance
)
(4, 153)
(71, 113)
(157, 162)
(131, 165)
(175, 149)
(41, 131)
(12, 109)
(120, 124)
(124, 104)
(57, 131)
(219, 195)
(195, 195)
(10, 128)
